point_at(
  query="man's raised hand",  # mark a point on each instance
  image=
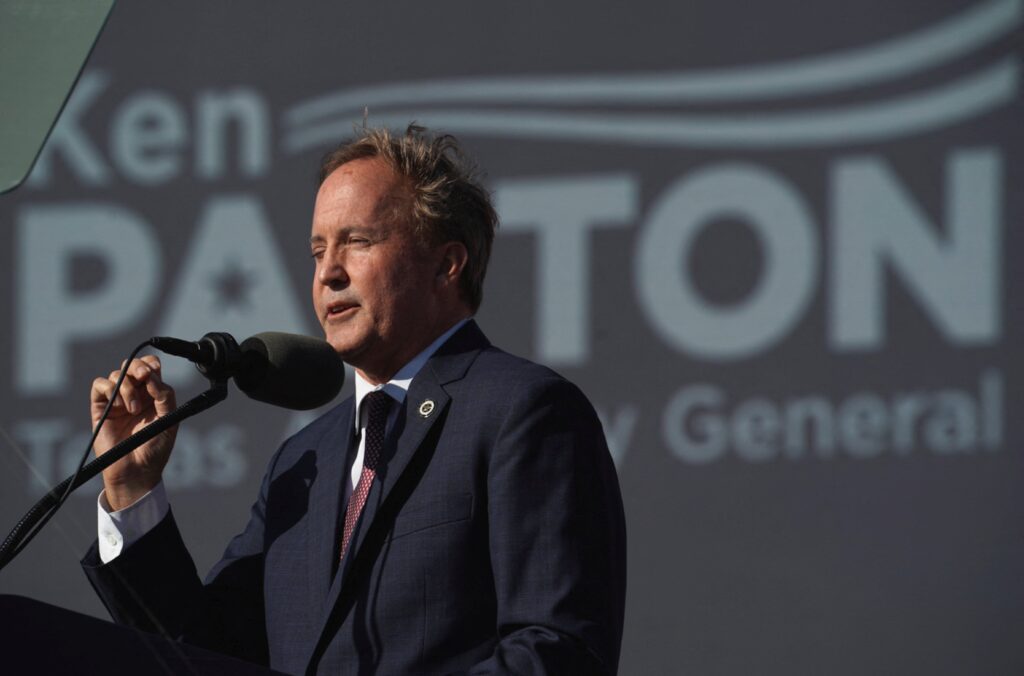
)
(143, 398)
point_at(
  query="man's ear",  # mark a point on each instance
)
(453, 262)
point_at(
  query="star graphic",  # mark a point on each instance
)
(231, 286)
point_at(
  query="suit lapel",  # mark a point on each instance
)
(409, 435)
(325, 504)
(410, 430)
(448, 364)
(425, 404)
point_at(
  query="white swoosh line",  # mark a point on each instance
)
(908, 54)
(939, 107)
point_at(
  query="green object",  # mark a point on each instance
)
(43, 46)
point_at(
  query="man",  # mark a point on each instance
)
(460, 514)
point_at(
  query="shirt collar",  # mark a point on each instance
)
(398, 386)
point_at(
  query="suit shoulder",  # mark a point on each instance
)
(516, 376)
(494, 361)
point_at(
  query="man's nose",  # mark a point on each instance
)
(331, 271)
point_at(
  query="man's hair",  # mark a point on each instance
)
(448, 203)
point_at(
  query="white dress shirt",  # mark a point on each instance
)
(118, 530)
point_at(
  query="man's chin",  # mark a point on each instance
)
(341, 346)
(347, 349)
(346, 353)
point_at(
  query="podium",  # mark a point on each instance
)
(42, 639)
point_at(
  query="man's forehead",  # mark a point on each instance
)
(366, 172)
(363, 192)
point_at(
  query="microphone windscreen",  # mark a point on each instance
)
(288, 370)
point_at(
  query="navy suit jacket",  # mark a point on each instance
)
(492, 541)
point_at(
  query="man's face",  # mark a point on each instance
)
(374, 283)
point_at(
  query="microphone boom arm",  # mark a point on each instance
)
(22, 533)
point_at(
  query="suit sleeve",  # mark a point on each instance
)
(557, 537)
(153, 586)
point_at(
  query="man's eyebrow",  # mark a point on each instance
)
(341, 232)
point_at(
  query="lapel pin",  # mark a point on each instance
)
(426, 408)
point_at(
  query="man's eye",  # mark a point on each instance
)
(358, 241)
(318, 254)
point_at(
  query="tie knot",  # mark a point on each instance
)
(377, 403)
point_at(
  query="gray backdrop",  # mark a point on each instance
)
(774, 242)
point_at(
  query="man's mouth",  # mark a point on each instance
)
(338, 309)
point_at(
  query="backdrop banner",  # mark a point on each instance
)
(775, 243)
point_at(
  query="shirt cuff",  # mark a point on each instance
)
(118, 530)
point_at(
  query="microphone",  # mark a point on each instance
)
(282, 369)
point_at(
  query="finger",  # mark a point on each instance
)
(139, 371)
(129, 393)
(101, 393)
(161, 393)
(146, 370)
(151, 360)
(142, 368)
(119, 401)
(135, 390)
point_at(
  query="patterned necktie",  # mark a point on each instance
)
(377, 403)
